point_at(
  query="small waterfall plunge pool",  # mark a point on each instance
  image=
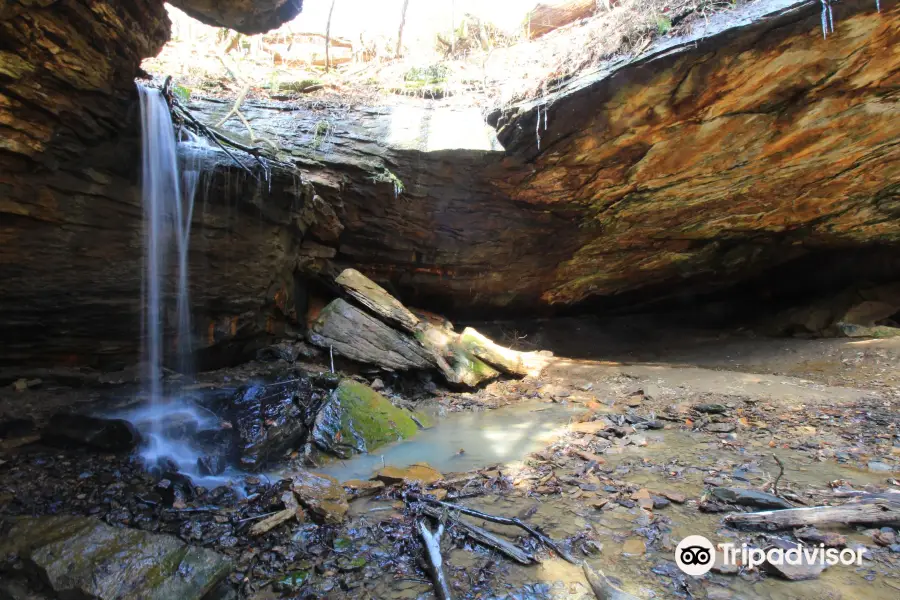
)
(466, 440)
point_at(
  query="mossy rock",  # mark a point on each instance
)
(358, 419)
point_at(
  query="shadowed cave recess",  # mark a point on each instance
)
(260, 328)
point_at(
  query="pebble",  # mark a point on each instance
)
(880, 467)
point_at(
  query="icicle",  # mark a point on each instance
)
(537, 128)
(824, 18)
(878, 5)
(830, 16)
(545, 118)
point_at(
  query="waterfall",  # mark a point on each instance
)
(168, 185)
(168, 209)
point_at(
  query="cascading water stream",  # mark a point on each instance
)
(168, 189)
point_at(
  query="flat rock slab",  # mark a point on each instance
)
(360, 337)
(82, 557)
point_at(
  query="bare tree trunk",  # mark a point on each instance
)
(397, 54)
(452, 27)
(328, 38)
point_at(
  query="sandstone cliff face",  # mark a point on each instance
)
(698, 164)
(703, 162)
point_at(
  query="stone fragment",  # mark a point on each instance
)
(745, 497)
(359, 488)
(419, 473)
(812, 535)
(712, 409)
(675, 497)
(721, 427)
(322, 495)
(589, 427)
(799, 572)
(635, 546)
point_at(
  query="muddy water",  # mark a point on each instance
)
(488, 437)
(671, 460)
(650, 466)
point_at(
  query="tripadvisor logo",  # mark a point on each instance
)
(695, 555)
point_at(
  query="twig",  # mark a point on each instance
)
(262, 516)
(602, 587)
(199, 509)
(500, 521)
(483, 537)
(433, 551)
(235, 108)
(214, 136)
(780, 474)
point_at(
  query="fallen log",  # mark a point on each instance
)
(548, 17)
(602, 587)
(879, 513)
(504, 359)
(549, 543)
(484, 538)
(432, 543)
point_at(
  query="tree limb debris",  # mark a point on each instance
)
(780, 475)
(432, 543)
(224, 142)
(483, 537)
(602, 587)
(549, 543)
(878, 513)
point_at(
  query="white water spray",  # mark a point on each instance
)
(168, 191)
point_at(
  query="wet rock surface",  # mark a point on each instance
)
(115, 435)
(82, 557)
(357, 419)
(271, 418)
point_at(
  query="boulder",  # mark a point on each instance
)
(468, 359)
(322, 495)
(358, 419)
(79, 557)
(271, 418)
(746, 497)
(376, 299)
(113, 435)
(363, 338)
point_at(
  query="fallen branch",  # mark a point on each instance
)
(880, 513)
(780, 475)
(224, 141)
(549, 543)
(602, 587)
(235, 108)
(483, 537)
(432, 543)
